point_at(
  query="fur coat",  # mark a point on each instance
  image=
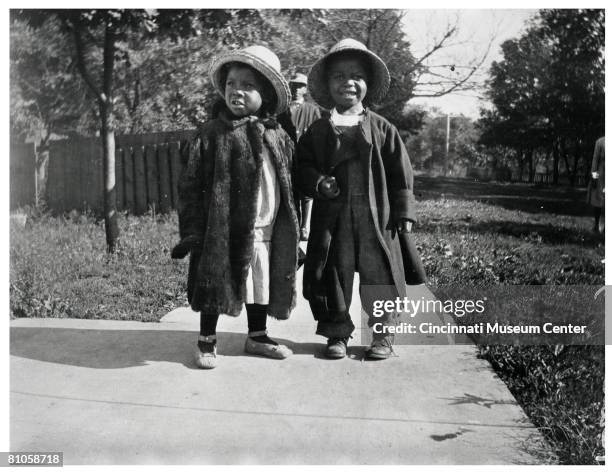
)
(217, 210)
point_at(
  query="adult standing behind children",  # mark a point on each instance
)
(237, 214)
(355, 166)
(296, 120)
(595, 194)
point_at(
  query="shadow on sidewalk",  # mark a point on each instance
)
(113, 349)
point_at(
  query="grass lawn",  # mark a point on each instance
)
(468, 233)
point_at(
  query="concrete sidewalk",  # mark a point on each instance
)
(111, 392)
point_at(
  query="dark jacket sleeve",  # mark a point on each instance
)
(400, 178)
(194, 187)
(309, 175)
(284, 120)
(293, 169)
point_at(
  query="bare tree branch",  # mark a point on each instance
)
(439, 45)
(456, 84)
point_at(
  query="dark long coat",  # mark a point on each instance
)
(390, 187)
(595, 195)
(217, 207)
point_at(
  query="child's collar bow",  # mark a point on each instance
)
(232, 122)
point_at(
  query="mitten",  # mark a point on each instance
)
(186, 245)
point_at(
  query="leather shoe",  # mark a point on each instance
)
(380, 349)
(336, 348)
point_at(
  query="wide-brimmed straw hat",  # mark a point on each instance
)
(378, 85)
(262, 60)
(299, 78)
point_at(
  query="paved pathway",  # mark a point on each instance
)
(112, 392)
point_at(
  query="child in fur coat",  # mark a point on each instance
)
(237, 213)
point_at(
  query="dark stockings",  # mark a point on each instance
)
(256, 319)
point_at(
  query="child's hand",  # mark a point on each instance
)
(185, 246)
(328, 187)
(404, 226)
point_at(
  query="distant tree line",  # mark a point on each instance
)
(548, 95)
(547, 106)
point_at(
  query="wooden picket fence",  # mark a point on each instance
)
(22, 174)
(147, 169)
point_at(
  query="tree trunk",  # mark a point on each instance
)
(531, 166)
(104, 96)
(42, 161)
(576, 158)
(110, 200)
(555, 150)
(565, 153)
(108, 140)
(41, 164)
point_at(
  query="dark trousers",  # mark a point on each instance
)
(354, 248)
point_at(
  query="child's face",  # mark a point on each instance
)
(243, 91)
(347, 82)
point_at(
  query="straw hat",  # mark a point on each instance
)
(299, 79)
(262, 60)
(378, 85)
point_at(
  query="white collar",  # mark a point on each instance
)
(346, 120)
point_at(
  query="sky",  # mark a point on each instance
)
(476, 29)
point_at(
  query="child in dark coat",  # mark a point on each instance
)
(237, 214)
(296, 120)
(357, 169)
